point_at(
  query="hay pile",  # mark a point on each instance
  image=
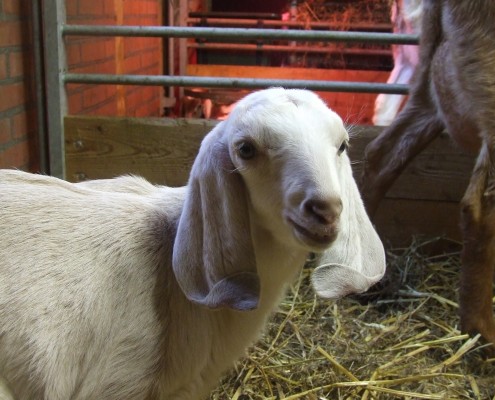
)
(343, 14)
(401, 345)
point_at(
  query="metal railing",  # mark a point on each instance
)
(236, 33)
(57, 75)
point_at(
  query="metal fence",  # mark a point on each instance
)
(58, 76)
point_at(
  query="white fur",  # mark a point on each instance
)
(118, 289)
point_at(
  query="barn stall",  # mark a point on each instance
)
(399, 341)
(162, 149)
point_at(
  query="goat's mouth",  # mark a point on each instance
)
(316, 237)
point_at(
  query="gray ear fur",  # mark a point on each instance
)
(356, 260)
(213, 255)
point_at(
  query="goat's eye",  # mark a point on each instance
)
(343, 147)
(246, 150)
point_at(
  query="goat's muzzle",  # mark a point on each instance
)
(316, 223)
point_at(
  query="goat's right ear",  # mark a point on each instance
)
(213, 256)
(356, 260)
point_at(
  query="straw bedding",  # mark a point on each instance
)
(400, 341)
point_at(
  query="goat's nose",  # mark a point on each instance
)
(326, 211)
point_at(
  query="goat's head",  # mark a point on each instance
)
(279, 163)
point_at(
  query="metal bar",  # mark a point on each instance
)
(40, 89)
(382, 27)
(296, 49)
(55, 66)
(239, 33)
(251, 83)
(234, 15)
(182, 42)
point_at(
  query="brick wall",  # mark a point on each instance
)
(114, 55)
(18, 125)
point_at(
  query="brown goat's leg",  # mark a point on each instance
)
(478, 257)
(413, 129)
(388, 154)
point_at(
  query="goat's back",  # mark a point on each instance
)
(78, 269)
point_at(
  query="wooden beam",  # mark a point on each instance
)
(161, 150)
(423, 201)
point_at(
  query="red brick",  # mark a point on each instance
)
(132, 64)
(71, 8)
(107, 109)
(93, 51)
(5, 135)
(3, 66)
(16, 64)
(93, 96)
(150, 109)
(13, 7)
(91, 7)
(16, 156)
(74, 103)
(73, 50)
(10, 33)
(132, 45)
(110, 90)
(108, 7)
(100, 67)
(12, 96)
(20, 125)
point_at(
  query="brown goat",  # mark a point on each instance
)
(453, 89)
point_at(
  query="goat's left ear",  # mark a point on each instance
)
(356, 260)
(213, 255)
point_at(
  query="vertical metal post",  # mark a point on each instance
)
(39, 73)
(182, 43)
(55, 66)
(171, 52)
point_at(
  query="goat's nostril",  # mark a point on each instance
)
(326, 211)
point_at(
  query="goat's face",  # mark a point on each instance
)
(278, 163)
(290, 150)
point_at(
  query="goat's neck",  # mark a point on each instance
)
(215, 339)
(278, 264)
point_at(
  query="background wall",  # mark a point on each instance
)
(114, 55)
(19, 125)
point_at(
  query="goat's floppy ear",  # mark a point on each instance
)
(213, 256)
(356, 260)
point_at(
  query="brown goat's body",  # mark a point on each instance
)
(453, 89)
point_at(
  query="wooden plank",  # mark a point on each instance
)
(398, 221)
(423, 201)
(161, 150)
(441, 172)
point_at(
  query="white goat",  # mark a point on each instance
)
(118, 289)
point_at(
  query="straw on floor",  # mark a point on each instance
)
(400, 341)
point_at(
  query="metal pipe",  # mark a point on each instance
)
(55, 65)
(297, 49)
(39, 81)
(382, 27)
(251, 83)
(239, 33)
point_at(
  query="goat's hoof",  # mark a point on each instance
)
(487, 335)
